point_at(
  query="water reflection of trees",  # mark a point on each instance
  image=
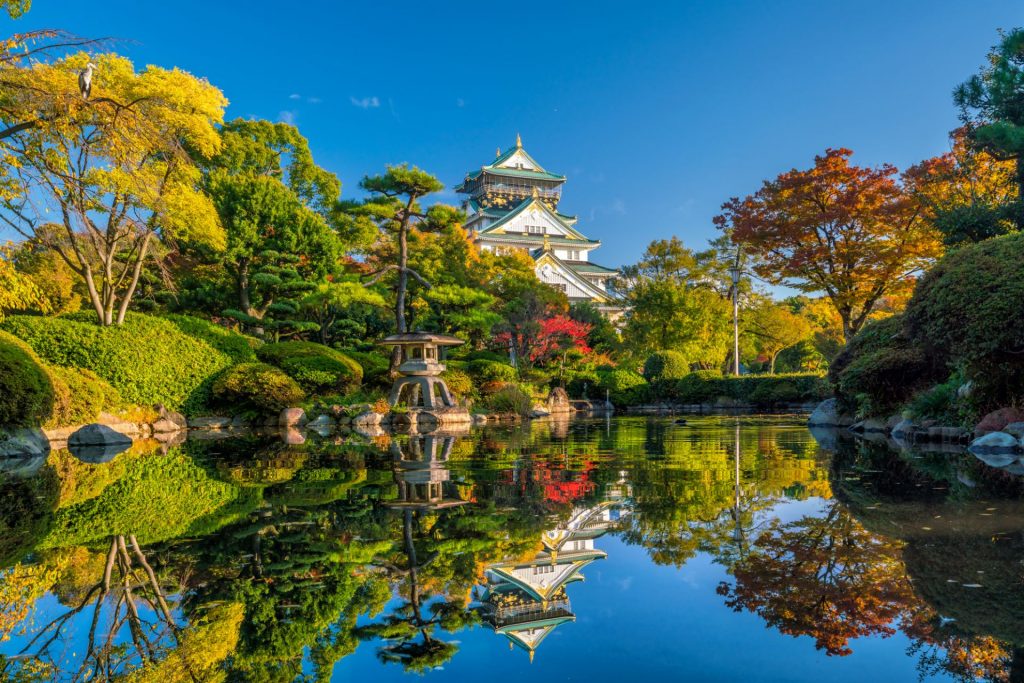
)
(292, 557)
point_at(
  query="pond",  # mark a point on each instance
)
(723, 549)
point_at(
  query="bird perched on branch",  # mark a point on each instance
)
(85, 80)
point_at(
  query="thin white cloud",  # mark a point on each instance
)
(287, 116)
(365, 102)
(314, 100)
(295, 96)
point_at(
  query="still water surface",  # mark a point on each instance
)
(725, 549)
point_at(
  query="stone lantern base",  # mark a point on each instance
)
(422, 391)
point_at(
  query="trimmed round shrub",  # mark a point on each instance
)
(880, 369)
(81, 396)
(623, 387)
(147, 359)
(27, 395)
(257, 386)
(375, 365)
(583, 385)
(458, 381)
(969, 311)
(666, 365)
(239, 347)
(316, 367)
(484, 370)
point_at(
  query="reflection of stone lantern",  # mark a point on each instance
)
(421, 472)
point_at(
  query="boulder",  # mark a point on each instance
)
(1015, 428)
(479, 419)
(539, 412)
(209, 422)
(558, 401)
(997, 459)
(994, 443)
(291, 417)
(168, 421)
(827, 415)
(239, 422)
(367, 419)
(97, 435)
(292, 437)
(23, 443)
(903, 429)
(321, 422)
(874, 424)
(97, 443)
(998, 419)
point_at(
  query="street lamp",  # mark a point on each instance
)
(735, 272)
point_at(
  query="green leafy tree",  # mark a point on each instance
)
(773, 328)
(278, 208)
(461, 311)
(394, 209)
(674, 303)
(991, 104)
(330, 303)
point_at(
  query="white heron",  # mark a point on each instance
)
(85, 80)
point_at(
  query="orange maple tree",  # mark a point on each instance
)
(858, 234)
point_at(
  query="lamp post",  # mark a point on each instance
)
(735, 272)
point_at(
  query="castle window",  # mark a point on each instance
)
(574, 254)
(535, 229)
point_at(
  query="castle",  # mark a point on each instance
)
(513, 204)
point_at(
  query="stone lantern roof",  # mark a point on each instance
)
(420, 338)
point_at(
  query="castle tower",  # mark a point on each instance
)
(513, 203)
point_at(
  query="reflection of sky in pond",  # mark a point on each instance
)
(593, 550)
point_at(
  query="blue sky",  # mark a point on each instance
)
(657, 112)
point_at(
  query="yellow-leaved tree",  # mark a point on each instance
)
(104, 175)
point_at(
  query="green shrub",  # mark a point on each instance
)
(239, 347)
(316, 367)
(702, 386)
(939, 403)
(484, 370)
(147, 359)
(880, 369)
(458, 381)
(968, 312)
(375, 364)
(510, 399)
(623, 387)
(666, 365)
(27, 393)
(82, 396)
(257, 386)
(583, 385)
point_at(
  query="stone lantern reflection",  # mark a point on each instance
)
(422, 475)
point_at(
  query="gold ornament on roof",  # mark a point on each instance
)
(519, 141)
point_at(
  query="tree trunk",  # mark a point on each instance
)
(771, 364)
(1019, 212)
(403, 284)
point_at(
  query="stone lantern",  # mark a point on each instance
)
(419, 383)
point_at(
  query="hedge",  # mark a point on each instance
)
(27, 393)
(317, 368)
(710, 386)
(147, 359)
(241, 348)
(485, 370)
(257, 386)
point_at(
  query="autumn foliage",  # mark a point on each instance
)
(859, 234)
